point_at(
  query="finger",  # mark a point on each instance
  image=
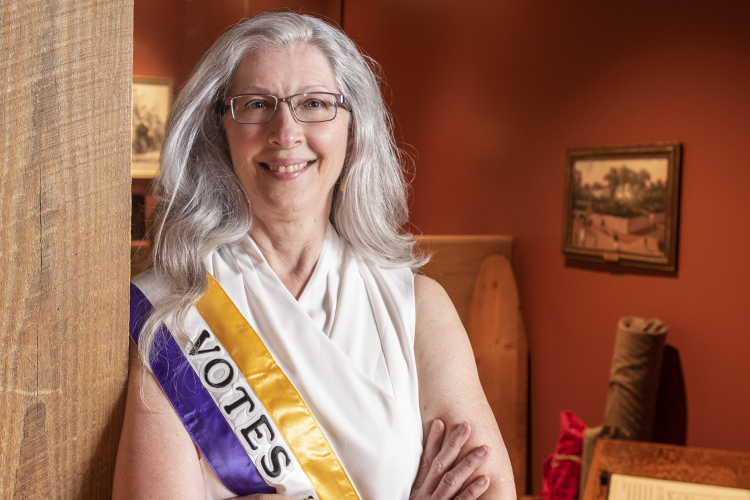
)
(454, 479)
(431, 449)
(448, 453)
(476, 488)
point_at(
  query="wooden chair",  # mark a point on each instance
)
(476, 273)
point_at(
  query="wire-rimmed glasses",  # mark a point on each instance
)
(311, 107)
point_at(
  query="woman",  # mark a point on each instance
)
(297, 330)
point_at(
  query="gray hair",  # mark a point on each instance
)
(201, 204)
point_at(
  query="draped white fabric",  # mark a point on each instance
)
(347, 345)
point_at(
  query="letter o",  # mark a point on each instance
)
(226, 380)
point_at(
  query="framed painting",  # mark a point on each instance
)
(622, 205)
(152, 99)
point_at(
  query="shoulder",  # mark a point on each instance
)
(436, 314)
(428, 290)
(440, 339)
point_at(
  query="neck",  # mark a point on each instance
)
(291, 248)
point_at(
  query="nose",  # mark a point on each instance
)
(284, 129)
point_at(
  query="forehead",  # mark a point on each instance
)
(298, 67)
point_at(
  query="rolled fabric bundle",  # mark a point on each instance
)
(634, 377)
(633, 385)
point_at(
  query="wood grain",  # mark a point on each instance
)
(662, 461)
(498, 337)
(65, 68)
(456, 261)
(477, 275)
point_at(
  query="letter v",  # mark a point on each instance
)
(198, 343)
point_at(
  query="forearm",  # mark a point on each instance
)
(497, 466)
(502, 486)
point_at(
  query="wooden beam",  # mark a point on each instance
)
(65, 68)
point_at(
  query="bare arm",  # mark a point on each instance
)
(449, 387)
(156, 458)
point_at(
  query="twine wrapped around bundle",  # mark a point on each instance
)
(633, 383)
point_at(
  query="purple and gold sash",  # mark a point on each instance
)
(243, 413)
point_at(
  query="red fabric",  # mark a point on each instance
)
(561, 471)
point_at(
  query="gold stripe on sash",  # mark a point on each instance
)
(277, 394)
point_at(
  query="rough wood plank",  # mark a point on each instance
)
(498, 337)
(65, 68)
(20, 252)
(662, 461)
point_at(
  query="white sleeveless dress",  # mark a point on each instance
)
(347, 345)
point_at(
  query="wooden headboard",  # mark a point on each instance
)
(476, 273)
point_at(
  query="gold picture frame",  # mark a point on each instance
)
(622, 205)
(152, 100)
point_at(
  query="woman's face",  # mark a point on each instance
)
(315, 151)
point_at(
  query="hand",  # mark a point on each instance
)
(438, 478)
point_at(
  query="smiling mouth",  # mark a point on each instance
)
(288, 168)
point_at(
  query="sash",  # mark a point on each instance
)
(242, 412)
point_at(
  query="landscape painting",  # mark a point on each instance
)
(152, 98)
(621, 205)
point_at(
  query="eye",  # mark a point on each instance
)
(312, 103)
(254, 104)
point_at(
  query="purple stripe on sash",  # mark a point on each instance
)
(199, 413)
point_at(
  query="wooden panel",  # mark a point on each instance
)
(661, 461)
(456, 261)
(65, 67)
(498, 337)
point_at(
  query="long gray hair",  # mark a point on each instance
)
(201, 204)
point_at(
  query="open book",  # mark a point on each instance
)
(622, 487)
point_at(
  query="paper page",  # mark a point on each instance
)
(622, 487)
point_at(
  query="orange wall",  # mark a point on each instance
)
(169, 36)
(158, 39)
(488, 95)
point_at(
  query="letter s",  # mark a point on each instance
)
(274, 456)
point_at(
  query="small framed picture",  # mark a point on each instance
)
(152, 99)
(622, 205)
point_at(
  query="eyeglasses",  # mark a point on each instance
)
(313, 107)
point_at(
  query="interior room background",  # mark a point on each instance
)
(487, 96)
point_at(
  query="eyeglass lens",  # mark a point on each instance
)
(258, 108)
